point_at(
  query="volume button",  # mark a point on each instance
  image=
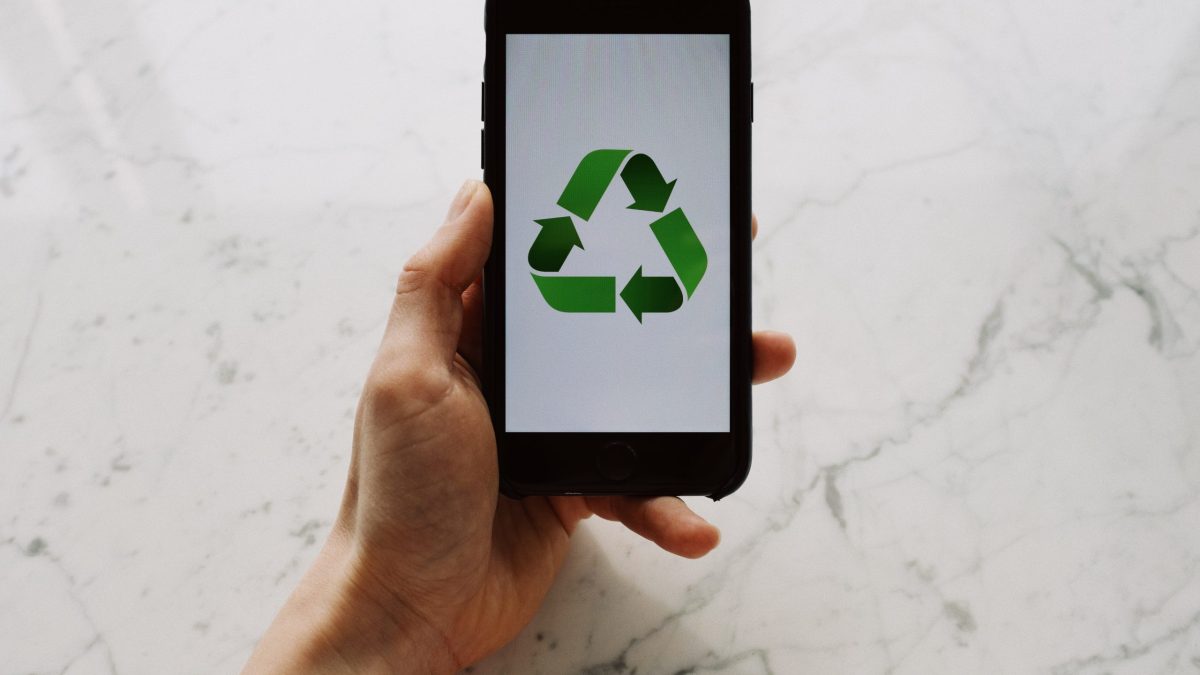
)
(483, 148)
(483, 101)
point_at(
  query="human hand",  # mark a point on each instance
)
(427, 568)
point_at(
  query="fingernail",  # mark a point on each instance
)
(462, 199)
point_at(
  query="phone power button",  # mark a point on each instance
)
(616, 461)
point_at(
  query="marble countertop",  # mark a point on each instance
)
(980, 221)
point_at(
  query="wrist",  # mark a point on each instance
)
(336, 621)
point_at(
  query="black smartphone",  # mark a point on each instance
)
(617, 295)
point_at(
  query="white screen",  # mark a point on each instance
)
(596, 368)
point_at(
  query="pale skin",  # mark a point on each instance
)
(427, 568)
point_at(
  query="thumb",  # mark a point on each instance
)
(426, 316)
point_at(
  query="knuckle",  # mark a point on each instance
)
(416, 280)
(413, 277)
(405, 389)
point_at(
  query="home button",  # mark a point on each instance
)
(616, 461)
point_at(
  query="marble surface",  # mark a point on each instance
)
(980, 221)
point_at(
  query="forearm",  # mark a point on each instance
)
(331, 624)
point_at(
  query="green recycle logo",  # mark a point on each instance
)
(650, 192)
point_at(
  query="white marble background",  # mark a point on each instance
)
(980, 220)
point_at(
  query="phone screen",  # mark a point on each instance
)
(617, 243)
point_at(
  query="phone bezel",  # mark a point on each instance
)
(676, 463)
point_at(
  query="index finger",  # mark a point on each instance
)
(666, 521)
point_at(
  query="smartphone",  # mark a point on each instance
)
(616, 144)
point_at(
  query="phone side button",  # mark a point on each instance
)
(483, 149)
(616, 461)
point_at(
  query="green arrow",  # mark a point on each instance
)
(651, 294)
(683, 248)
(646, 184)
(553, 244)
(579, 294)
(590, 180)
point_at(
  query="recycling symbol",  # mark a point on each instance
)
(558, 237)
